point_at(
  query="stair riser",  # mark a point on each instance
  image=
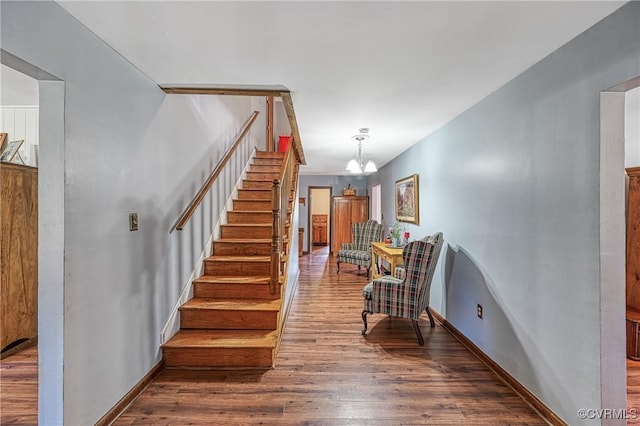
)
(220, 267)
(244, 194)
(241, 249)
(245, 232)
(274, 162)
(269, 154)
(257, 184)
(228, 319)
(271, 168)
(252, 205)
(249, 217)
(217, 357)
(262, 176)
(233, 291)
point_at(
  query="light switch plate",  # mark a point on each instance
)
(133, 221)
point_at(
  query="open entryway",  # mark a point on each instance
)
(619, 151)
(35, 114)
(319, 217)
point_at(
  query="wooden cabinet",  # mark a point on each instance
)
(18, 253)
(319, 229)
(347, 211)
(633, 264)
(633, 239)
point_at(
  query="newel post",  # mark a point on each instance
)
(276, 238)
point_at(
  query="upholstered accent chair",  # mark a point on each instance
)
(406, 294)
(359, 251)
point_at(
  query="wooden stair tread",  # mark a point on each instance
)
(253, 211)
(240, 258)
(222, 339)
(248, 225)
(233, 304)
(243, 240)
(245, 279)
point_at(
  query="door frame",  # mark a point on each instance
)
(613, 367)
(310, 210)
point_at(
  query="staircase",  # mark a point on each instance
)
(233, 321)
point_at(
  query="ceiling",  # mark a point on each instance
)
(403, 69)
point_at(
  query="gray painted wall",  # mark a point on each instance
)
(514, 185)
(128, 147)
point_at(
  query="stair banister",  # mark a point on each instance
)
(280, 201)
(206, 186)
(276, 240)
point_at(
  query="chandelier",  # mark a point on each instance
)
(356, 164)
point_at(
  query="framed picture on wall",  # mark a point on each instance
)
(407, 204)
(11, 150)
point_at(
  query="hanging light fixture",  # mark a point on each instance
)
(356, 164)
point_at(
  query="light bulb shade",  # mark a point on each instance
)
(370, 167)
(353, 166)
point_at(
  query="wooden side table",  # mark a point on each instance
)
(393, 255)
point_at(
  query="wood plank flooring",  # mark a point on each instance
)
(19, 388)
(326, 373)
(633, 392)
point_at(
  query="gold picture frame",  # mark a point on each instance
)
(407, 200)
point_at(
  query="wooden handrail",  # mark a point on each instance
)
(191, 208)
(280, 207)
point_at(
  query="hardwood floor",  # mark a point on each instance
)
(19, 388)
(633, 392)
(326, 373)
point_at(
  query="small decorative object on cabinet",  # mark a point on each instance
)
(633, 264)
(348, 191)
(11, 151)
(347, 211)
(319, 229)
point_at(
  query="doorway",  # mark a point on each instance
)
(319, 217)
(376, 203)
(19, 128)
(613, 366)
(50, 240)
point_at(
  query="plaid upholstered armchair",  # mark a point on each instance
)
(406, 295)
(359, 251)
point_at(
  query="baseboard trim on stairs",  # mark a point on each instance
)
(545, 412)
(117, 410)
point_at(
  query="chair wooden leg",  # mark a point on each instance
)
(368, 272)
(364, 320)
(416, 328)
(433, 323)
(338, 267)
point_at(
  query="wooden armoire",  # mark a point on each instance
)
(633, 264)
(18, 254)
(346, 211)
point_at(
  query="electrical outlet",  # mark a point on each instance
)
(479, 311)
(133, 221)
